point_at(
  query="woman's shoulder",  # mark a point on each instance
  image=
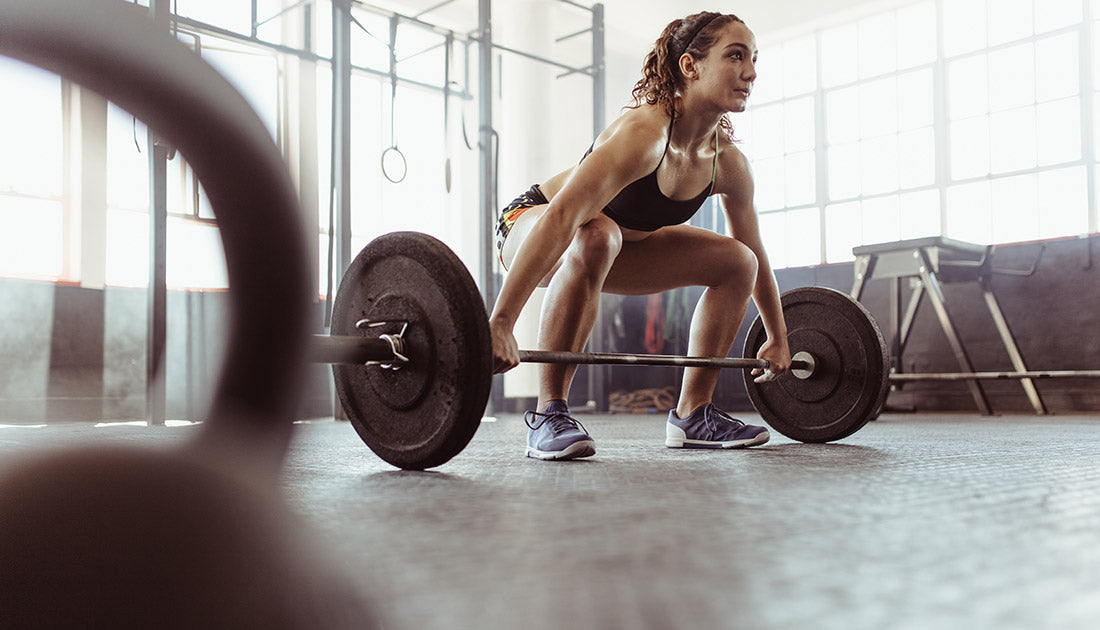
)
(730, 155)
(637, 128)
(734, 170)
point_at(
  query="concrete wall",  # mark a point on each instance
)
(77, 354)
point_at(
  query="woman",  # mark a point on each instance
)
(614, 223)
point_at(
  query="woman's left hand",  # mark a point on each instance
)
(776, 353)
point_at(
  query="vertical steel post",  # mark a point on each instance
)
(487, 173)
(156, 391)
(597, 373)
(599, 72)
(341, 132)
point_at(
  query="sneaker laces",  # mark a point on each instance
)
(709, 421)
(559, 422)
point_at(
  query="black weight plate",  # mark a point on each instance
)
(426, 412)
(849, 384)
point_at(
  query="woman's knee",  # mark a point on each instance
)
(734, 262)
(596, 244)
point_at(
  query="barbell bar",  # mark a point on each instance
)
(387, 350)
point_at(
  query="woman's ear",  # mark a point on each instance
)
(688, 68)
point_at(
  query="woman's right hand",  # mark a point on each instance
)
(505, 348)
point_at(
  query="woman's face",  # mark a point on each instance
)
(728, 71)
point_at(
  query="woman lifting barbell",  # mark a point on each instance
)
(614, 223)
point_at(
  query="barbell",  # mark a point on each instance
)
(413, 356)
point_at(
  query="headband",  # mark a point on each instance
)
(698, 29)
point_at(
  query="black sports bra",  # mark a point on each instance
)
(642, 206)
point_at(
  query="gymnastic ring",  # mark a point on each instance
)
(404, 165)
(112, 48)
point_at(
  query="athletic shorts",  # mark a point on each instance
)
(533, 197)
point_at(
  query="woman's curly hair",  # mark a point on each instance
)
(661, 78)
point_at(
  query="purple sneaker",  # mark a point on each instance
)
(554, 434)
(710, 427)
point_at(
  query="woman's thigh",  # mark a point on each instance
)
(597, 238)
(679, 256)
(518, 233)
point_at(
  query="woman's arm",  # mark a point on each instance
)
(736, 190)
(632, 145)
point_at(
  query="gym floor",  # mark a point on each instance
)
(947, 521)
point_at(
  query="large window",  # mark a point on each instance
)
(41, 227)
(194, 249)
(31, 173)
(962, 118)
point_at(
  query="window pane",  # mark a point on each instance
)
(30, 129)
(366, 50)
(195, 256)
(968, 212)
(324, 147)
(368, 141)
(1015, 204)
(1059, 130)
(773, 232)
(322, 41)
(799, 66)
(1054, 14)
(917, 155)
(969, 148)
(769, 78)
(881, 220)
(1012, 141)
(127, 248)
(767, 131)
(804, 237)
(1012, 77)
(800, 179)
(877, 46)
(30, 237)
(234, 16)
(742, 132)
(1009, 20)
(920, 213)
(1096, 117)
(968, 87)
(915, 99)
(878, 106)
(916, 35)
(768, 176)
(798, 118)
(420, 134)
(844, 171)
(839, 55)
(1096, 54)
(1056, 67)
(1064, 198)
(964, 26)
(843, 231)
(880, 165)
(127, 162)
(256, 77)
(842, 115)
